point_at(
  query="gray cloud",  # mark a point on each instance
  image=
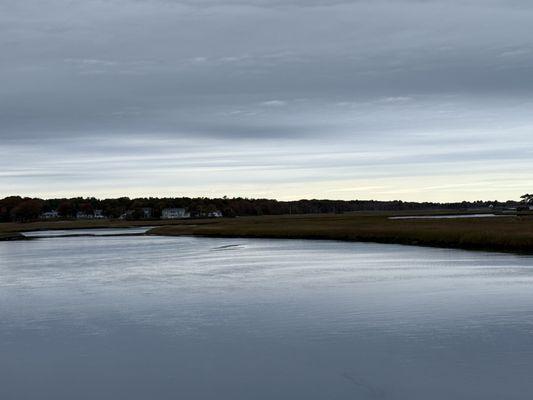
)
(402, 86)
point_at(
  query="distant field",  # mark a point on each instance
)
(507, 234)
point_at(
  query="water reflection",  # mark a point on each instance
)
(197, 318)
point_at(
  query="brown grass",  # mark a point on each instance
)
(11, 230)
(509, 234)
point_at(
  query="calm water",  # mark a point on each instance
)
(143, 317)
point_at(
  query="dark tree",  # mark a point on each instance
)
(86, 208)
(527, 198)
(27, 210)
(65, 209)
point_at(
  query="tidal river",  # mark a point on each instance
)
(141, 317)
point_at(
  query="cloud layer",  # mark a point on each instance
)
(420, 100)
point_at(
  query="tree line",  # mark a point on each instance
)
(17, 208)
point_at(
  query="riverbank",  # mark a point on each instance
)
(4, 236)
(512, 234)
(13, 230)
(504, 234)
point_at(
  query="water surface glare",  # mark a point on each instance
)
(143, 317)
(88, 232)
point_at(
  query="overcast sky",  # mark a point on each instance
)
(287, 99)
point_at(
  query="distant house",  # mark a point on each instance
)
(215, 214)
(99, 214)
(84, 215)
(147, 212)
(174, 213)
(127, 215)
(50, 215)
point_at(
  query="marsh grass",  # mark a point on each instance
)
(509, 234)
(12, 230)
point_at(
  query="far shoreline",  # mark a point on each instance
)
(329, 239)
(506, 235)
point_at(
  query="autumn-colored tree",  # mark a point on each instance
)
(27, 210)
(235, 206)
(7, 205)
(65, 209)
(86, 208)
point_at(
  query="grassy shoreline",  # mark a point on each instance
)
(13, 230)
(509, 234)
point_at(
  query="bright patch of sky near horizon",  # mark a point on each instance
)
(412, 100)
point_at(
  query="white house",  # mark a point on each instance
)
(99, 214)
(174, 213)
(215, 214)
(83, 215)
(127, 215)
(50, 215)
(147, 212)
